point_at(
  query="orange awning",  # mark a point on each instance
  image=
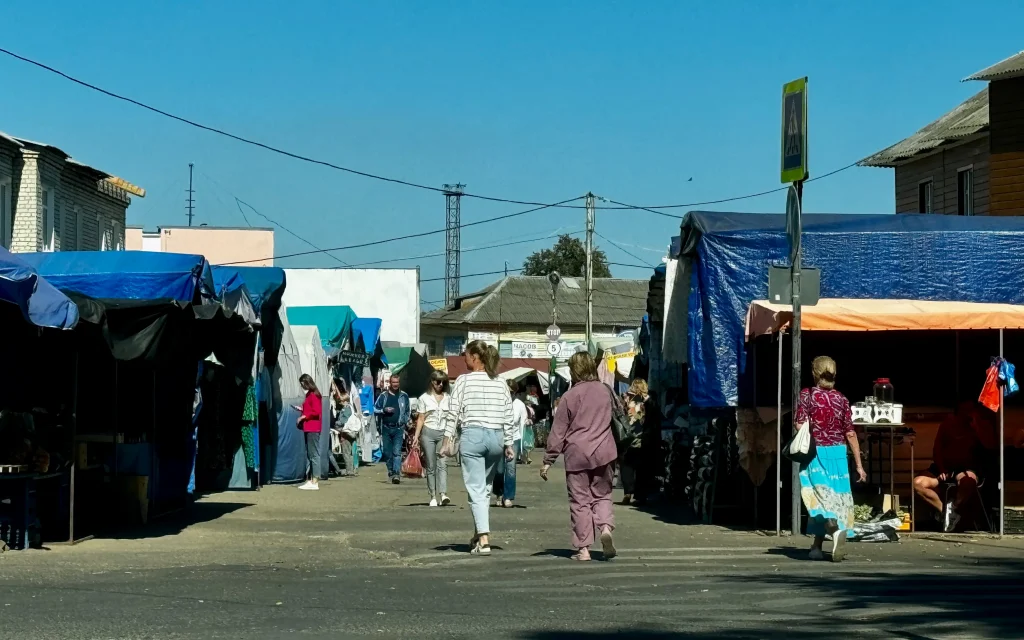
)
(837, 314)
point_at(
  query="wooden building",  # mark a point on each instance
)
(971, 160)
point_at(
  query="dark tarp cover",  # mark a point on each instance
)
(264, 287)
(39, 301)
(915, 257)
(413, 369)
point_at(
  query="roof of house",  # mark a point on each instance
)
(121, 183)
(526, 300)
(968, 119)
(1012, 67)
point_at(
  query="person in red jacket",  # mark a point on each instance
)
(310, 423)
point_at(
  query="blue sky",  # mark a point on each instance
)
(530, 100)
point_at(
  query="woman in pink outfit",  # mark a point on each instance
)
(582, 434)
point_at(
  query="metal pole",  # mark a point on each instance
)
(1002, 460)
(795, 502)
(778, 449)
(590, 268)
(191, 202)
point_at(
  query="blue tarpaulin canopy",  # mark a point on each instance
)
(261, 283)
(334, 323)
(40, 302)
(912, 257)
(127, 275)
(366, 332)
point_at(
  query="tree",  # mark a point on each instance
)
(568, 257)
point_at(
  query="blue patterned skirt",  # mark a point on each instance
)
(825, 489)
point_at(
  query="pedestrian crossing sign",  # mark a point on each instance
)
(794, 131)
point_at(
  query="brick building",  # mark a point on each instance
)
(51, 202)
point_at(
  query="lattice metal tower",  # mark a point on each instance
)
(453, 202)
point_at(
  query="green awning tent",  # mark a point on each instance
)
(334, 323)
(413, 369)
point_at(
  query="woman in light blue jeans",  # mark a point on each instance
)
(482, 406)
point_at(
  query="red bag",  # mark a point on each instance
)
(990, 394)
(412, 467)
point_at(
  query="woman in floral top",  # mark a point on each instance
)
(825, 480)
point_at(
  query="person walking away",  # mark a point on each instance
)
(435, 407)
(393, 408)
(310, 423)
(825, 480)
(582, 434)
(482, 406)
(505, 477)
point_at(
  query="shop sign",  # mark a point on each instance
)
(440, 364)
(484, 336)
(357, 358)
(529, 349)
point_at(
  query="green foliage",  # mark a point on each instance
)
(568, 257)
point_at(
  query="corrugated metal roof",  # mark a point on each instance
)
(969, 118)
(1012, 67)
(526, 300)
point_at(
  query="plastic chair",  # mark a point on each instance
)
(951, 485)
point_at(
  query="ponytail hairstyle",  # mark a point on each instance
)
(488, 355)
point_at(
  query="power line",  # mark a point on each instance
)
(654, 209)
(365, 174)
(471, 275)
(635, 266)
(490, 246)
(406, 237)
(631, 255)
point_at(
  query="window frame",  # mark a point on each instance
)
(930, 184)
(47, 205)
(965, 196)
(6, 213)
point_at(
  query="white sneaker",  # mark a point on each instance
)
(305, 485)
(310, 487)
(445, 500)
(433, 502)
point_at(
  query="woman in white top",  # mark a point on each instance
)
(505, 478)
(482, 406)
(435, 405)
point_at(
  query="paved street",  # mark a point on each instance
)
(362, 558)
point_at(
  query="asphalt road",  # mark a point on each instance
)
(362, 558)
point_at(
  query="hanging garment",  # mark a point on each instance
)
(989, 397)
(1007, 376)
(755, 444)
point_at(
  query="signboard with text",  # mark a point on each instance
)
(357, 358)
(439, 364)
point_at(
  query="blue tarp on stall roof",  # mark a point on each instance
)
(127, 275)
(366, 331)
(263, 284)
(40, 302)
(908, 256)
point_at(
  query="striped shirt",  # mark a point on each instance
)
(478, 400)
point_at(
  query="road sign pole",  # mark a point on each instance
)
(797, 359)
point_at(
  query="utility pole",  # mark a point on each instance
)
(795, 257)
(453, 242)
(190, 203)
(590, 268)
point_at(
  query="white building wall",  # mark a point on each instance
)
(393, 295)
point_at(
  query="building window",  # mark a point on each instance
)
(6, 219)
(965, 192)
(118, 240)
(79, 230)
(432, 345)
(48, 232)
(924, 197)
(101, 234)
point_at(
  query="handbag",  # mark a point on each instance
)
(621, 432)
(412, 467)
(800, 448)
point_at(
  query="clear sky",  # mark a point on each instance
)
(530, 100)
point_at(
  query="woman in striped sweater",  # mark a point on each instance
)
(482, 406)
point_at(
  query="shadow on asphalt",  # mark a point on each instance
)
(566, 554)
(175, 523)
(463, 548)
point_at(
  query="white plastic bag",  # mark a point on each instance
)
(353, 425)
(801, 443)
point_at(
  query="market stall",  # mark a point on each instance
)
(848, 315)
(36, 421)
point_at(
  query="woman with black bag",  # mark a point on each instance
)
(825, 478)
